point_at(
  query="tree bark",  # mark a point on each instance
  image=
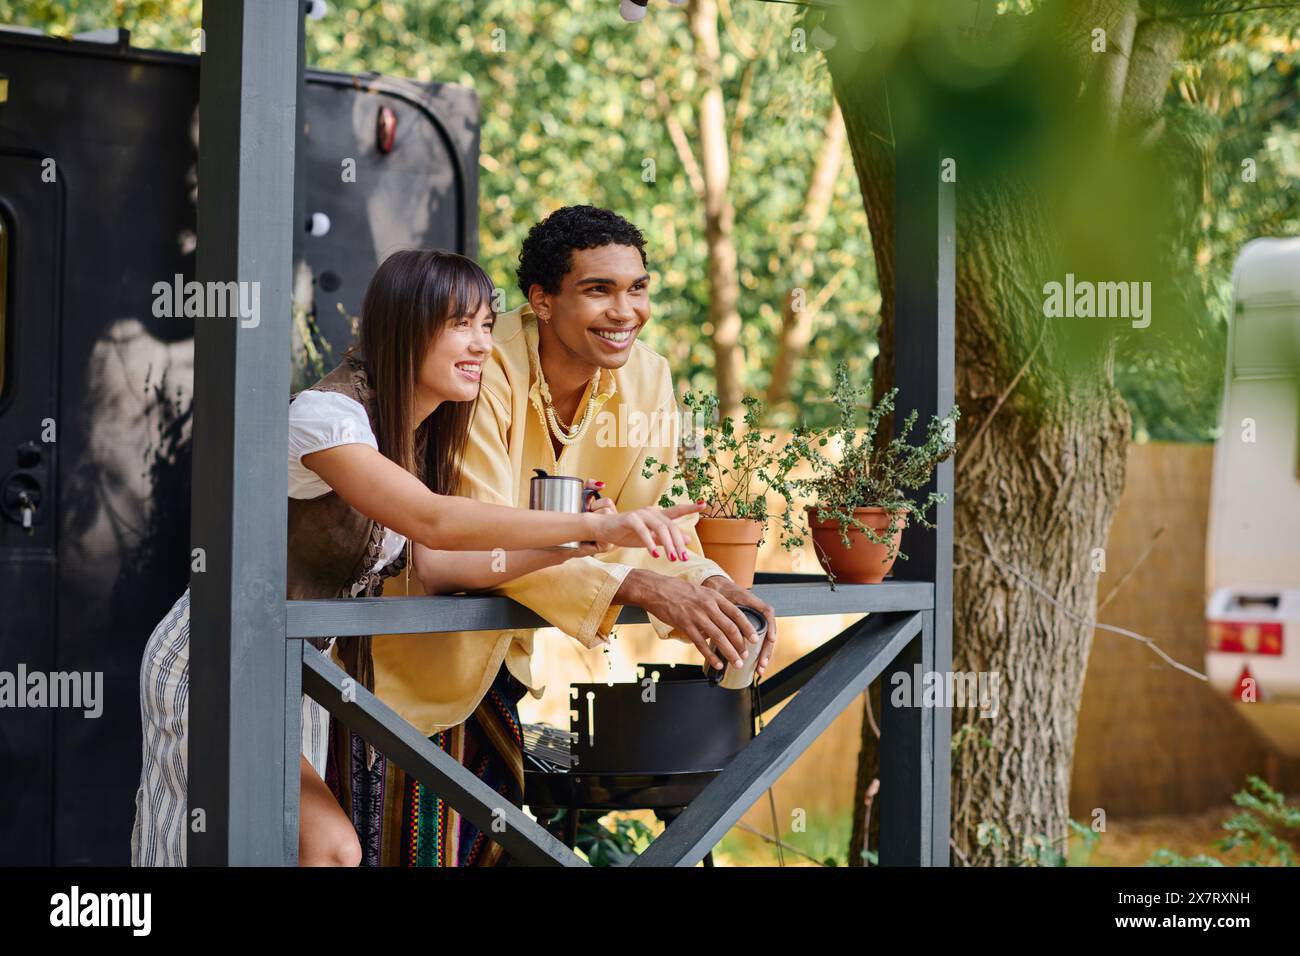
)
(719, 211)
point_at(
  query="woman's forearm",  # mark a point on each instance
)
(450, 572)
(397, 499)
(451, 523)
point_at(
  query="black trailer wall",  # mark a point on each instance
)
(96, 396)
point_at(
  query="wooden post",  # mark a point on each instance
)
(915, 755)
(240, 722)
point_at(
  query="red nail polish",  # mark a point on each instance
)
(600, 484)
(654, 554)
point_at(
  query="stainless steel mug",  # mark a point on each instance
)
(738, 678)
(559, 493)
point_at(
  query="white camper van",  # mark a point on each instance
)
(1253, 548)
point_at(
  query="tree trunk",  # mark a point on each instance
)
(800, 308)
(1036, 492)
(719, 212)
(1037, 489)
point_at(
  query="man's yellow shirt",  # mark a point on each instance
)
(436, 681)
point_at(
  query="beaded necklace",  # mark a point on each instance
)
(573, 434)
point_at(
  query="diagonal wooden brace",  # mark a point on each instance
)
(871, 646)
(523, 838)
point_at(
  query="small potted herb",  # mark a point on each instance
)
(865, 498)
(733, 467)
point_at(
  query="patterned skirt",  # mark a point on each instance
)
(158, 836)
(402, 823)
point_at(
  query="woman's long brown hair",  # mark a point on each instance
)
(410, 299)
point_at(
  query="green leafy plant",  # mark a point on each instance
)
(1089, 838)
(617, 847)
(733, 466)
(1035, 849)
(871, 474)
(1163, 857)
(1266, 827)
(972, 733)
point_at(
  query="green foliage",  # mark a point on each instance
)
(159, 24)
(1262, 824)
(732, 466)
(572, 112)
(1164, 857)
(1035, 849)
(972, 733)
(1089, 838)
(1230, 105)
(1267, 829)
(822, 840)
(1172, 372)
(871, 473)
(617, 847)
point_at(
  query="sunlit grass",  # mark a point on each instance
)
(825, 839)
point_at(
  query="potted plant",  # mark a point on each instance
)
(733, 467)
(864, 499)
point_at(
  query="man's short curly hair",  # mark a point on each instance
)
(547, 253)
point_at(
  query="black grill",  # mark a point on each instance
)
(646, 745)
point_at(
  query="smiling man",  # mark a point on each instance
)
(563, 364)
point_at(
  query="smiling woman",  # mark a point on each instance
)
(374, 460)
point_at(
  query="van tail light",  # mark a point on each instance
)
(1247, 688)
(1245, 637)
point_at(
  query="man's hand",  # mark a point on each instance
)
(705, 615)
(738, 595)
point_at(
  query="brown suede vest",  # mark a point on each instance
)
(332, 546)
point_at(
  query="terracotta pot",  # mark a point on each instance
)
(733, 544)
(864, 562)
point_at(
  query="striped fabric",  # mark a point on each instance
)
(158, 837)
(402, 823)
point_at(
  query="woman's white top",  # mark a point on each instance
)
(320, 420)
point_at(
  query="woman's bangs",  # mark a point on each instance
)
(469, 289)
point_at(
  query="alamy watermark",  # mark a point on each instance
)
(208, 300)
(633, 428)
(1101, 300)
(75, 908)
(947, 689)
(75, 689)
